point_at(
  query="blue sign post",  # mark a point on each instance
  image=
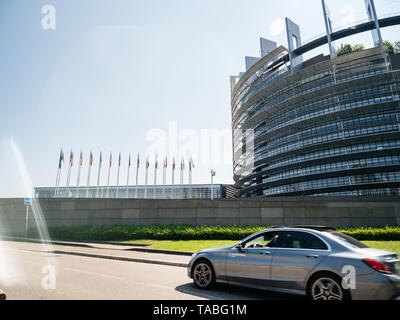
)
(27, 202)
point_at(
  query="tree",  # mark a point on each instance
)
(397, 46)
(391, 47)
(348, 48)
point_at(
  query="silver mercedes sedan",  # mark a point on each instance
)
(314, 261)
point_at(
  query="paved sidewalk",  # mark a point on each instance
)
(140, 247)
(122, 253)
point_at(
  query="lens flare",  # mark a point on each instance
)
(36, 211)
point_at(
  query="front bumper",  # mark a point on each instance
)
(189, 268)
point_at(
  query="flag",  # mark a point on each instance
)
(71, 159)
(191, 164)
(110, 159)
(166, 162)
(173, 164)
(119, 160)
(156, 164)
(81, 159)
(147, 162)
(138, 161)
(61, 159)
(91, 159)
(101, 159)
(182, 164)
(129, 164)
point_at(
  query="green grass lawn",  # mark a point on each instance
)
(185, 245)
(196, 245)
(393, 246)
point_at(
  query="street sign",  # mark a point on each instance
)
(28, 201)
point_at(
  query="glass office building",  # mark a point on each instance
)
(124, 192)
(328, 126)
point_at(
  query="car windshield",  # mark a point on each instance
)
(350, 241)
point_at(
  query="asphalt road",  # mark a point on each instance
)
(26, 272)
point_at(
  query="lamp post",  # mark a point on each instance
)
(212, 183)
(27, 202)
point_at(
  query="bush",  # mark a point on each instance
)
(348, 48)
(374, 234)
(186, 232)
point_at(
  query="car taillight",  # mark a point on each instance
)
(377, 265)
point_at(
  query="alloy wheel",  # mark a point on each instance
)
(326, 289)
(202, 275)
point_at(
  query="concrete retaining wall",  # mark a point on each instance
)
(336, 212)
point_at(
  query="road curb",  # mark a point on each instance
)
(2, 295)
(85, 244)
(176, 253)
(139, 260)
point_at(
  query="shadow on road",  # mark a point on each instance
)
(229, 292)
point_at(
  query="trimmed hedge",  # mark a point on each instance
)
(374, 234)
(185, 232)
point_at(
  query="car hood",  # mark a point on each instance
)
(220, 249)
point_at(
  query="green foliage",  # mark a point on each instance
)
(391, 47)
(186, 232)
(348, 48)
(397, 46)
(374, 234)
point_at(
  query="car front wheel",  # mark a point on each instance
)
(203, 274)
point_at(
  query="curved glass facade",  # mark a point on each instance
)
(329, 128)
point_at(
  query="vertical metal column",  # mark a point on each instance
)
(372, 15)
(293, 35)
(328, 27)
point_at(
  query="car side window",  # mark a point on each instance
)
(265, 240)
(299, 240)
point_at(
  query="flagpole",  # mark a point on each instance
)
(71, 163)
(108, 179)
(58, 174)
(119, 165)
(68, 174)
(88, 179)
(147, 176)
(60, 161)
(137, 175)
(165, 175)
(79, 174)
(182, 172)
(190, 177)
(98, 174)
(127, 181)
(155, 178)
(173, 178)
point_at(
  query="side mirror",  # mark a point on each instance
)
(239, 246)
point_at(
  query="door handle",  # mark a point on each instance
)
(266, 253)
(315, 256)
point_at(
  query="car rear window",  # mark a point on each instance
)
(350, 241)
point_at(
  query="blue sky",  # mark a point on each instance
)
(113, 71)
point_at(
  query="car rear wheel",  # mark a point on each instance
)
(327, 287)
(203, 274)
